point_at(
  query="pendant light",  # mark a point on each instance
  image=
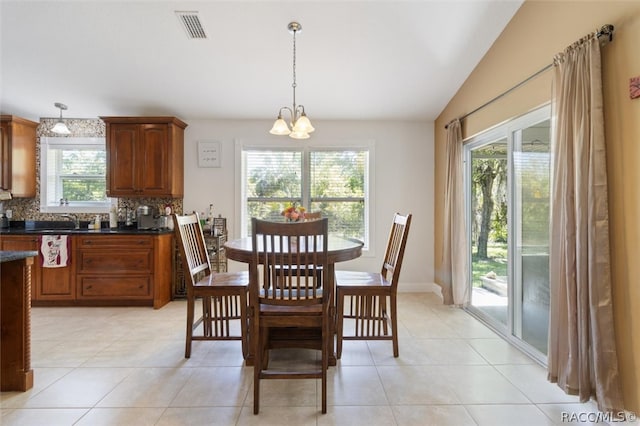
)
(300, 126)
(60, 128)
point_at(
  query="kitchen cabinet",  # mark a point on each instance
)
(47, 284)
(124, 269)
(145, 156)
(18, 156)
(104, 269)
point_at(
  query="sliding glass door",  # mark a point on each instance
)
(507, 185)
(488, 185)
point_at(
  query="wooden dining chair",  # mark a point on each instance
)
(299, 302)
(223, 294)
(373, 295)
(308, 216)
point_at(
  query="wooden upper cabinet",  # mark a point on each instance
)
(18, 156)
(145, 156)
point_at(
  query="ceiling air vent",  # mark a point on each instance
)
(191, 24)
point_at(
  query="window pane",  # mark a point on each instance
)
(79, 189)
(84, 162)
(74, 169)
(334, 184)
(274, 174)
(79, 174)
(273, 181)
(337, 189)
(337, 174)
(346, 218)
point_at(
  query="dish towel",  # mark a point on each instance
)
(54, 250)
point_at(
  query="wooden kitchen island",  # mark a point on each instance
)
(15, 320)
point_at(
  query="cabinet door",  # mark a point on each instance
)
(153, 161)
(46, 283)
(18, 156)
(122, 146)
(56, 284)
(5, 156)
(25, 243)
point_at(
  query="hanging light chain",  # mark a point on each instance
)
(294, 85)
(300, 126)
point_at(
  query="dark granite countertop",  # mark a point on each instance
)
(65, 228)
(103, 231)
(9, 256)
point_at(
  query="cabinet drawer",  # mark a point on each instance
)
(107, 262)
(123, 242)
(115, 287)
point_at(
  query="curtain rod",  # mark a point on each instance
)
(605, 30)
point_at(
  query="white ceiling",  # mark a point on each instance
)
(369, 60)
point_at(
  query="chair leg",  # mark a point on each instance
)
(394, 324)
(339, 322)
(244, 325)
(325, 362)
(257, 367)
(190, 314)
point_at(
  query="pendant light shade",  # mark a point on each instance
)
(303, 124)
(280, 127)
(300, 125)
(60, 128)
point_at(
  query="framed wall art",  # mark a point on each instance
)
(209, 154)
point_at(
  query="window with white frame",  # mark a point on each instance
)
(333, 181)
(73, 175)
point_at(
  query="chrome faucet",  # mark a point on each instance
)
(74, 218)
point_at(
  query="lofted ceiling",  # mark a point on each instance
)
(356, 60)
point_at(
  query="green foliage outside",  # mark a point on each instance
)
(336, 187)
(83, 174)
(496, 262)
(489, 188)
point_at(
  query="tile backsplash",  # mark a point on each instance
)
(29, 208)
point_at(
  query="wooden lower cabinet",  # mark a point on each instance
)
(47, 284)
(124, 269)
(104, 270)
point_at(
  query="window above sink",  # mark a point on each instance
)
(73, 175)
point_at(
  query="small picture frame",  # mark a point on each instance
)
(209, 154)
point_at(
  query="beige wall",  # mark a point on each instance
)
(403, 177)
(537, 32)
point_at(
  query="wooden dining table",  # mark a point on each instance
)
(339, 250)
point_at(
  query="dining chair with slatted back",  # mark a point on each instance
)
(308, 216)
(372, 296)
(223, 294)
(298, 302)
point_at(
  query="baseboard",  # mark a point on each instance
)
(405, 287)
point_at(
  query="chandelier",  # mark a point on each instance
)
(299, 126)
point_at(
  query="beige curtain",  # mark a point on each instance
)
(582, 349)
(454, 265)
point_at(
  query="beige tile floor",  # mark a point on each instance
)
(126, 366)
